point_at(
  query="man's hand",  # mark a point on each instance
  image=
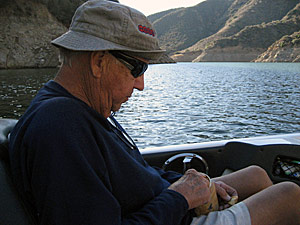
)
(225, 193)
(194, 186)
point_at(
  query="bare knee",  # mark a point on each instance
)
(256, 171)
(279, 204)
(260, 175)
(289, 188)
(290, 193)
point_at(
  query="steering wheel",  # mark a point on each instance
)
(184, 161)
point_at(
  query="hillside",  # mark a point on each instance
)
(159, 15)
(213, 30)
(27, 28)
(252, 40)
(26, 31)
(288, 47)
(183, 27)
(62, 10)
(227, 30)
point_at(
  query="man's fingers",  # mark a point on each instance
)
(230, 190)
(222, 192)
(194, 186)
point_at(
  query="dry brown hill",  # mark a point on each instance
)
(180, 28)
(213, 30)
(287, 49)
(26, 31)
(252, 40)
(227, 30)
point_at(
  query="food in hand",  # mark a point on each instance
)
(233, 200)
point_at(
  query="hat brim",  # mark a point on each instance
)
(78, 41)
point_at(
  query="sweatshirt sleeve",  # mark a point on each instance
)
(170, 176)
(167, 208)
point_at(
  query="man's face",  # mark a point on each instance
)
(118, 84)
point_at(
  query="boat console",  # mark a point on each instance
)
(279, 155)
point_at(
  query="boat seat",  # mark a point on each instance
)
(12, 209)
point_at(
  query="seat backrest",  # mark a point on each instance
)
(12, 209)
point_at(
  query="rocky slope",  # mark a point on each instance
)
(287, 49)
(180, 28)
(27, 28)
(251, 41)
(26, 31)
(213, 30)
(228, 30)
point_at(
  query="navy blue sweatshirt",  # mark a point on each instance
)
(72, 166)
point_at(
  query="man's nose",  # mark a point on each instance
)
(139, 83)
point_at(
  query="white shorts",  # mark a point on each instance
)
(235, 215)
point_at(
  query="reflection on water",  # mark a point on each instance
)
(197, 102)
(190, 102)
(18, 87)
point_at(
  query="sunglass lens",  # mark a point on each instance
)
(139, 69)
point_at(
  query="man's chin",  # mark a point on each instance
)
(116, 108)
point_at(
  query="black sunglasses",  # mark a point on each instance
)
(137, 67)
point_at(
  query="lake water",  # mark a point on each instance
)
(189, 102)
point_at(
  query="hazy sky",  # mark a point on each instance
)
(149, 7)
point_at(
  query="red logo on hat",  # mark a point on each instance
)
(146, 30)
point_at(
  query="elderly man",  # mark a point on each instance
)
(73, 163)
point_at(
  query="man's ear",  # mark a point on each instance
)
(96, 62)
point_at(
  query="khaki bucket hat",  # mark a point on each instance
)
(105, 25)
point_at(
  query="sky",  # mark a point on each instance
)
(149, 7)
